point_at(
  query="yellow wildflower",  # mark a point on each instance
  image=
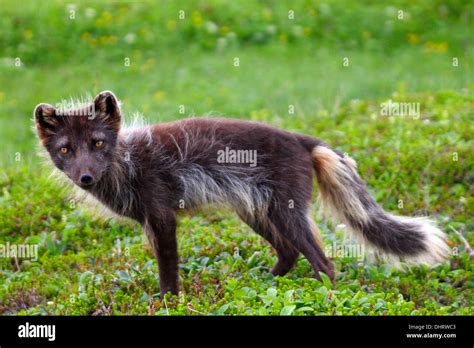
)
(171, 25)
(224, 30)
(159, 95)
(28, 34)
(440, 47)
(267, 14)
(413, 38)
(197, 19)
(107, 16)
(104, 19)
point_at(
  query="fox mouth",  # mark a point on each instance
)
(89, 185)
(86, 186)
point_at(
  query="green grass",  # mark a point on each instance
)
(92, 265)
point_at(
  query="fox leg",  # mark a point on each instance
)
(287, 254)
(296, 227)
(161, 232)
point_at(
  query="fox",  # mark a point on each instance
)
(151, 173)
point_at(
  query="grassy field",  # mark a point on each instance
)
(335, 63)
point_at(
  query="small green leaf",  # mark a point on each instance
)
(124, 276)
(326, 281)
(289, 295)
(85, 277)
(272, 292)
(287, 310)
(222, 309)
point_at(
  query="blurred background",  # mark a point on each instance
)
(183, 53)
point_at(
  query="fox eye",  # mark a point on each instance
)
(99, 144)
(64, 150)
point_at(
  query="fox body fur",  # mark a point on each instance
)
(152, 172)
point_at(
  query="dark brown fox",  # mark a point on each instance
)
(265, 174)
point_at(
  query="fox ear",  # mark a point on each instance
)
(107, 109)
(46, 120)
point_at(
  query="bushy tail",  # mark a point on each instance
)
(345, 196)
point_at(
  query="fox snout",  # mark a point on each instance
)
(84, 177)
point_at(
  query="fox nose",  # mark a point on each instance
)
(86, 179)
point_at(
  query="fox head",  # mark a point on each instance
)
(82, 141)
